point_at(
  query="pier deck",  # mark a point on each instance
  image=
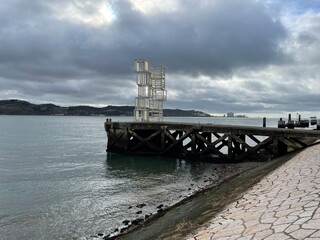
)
(205, 141)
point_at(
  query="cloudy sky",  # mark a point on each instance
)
(254, 57)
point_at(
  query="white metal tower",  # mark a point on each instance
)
(151, 92)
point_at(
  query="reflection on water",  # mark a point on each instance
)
(131, 166)
(141, 164)
(57, 182)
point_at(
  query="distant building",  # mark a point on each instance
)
(230, 114)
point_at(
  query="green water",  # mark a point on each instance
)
(57, 181)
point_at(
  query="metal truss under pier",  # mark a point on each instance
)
(205, 141)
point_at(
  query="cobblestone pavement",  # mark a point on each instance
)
(283, 205)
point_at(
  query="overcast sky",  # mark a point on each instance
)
(254, 57)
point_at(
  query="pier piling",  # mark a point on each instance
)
(204, 141)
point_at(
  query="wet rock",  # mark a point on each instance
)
(123, 229)
(130, 207)
(106, 237)
(139, 212)
(160, 210)
(126, 222)
(141, 205)
(189, 189)
(205, 180)
(191, 184)
(109, 237)
(137, 221)
(147, 216)
(100, 234)
(116, 230)
(160, 206)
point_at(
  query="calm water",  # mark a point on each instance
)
(57, 181)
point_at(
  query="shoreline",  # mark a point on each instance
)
(178, 220)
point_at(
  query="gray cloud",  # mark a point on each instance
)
(219, 52)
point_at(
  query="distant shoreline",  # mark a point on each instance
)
(20, 107)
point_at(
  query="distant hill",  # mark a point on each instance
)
(19, 107)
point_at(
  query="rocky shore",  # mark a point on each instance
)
(177, 220)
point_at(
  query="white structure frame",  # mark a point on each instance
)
(151, 92)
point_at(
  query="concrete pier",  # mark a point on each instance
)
(283, 205)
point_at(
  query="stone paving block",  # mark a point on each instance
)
(311, 209)
(302, 220)
(233, 207)
(256, 228)
(276, 203)
(316, 216)
(263, 234)
(249, 216)
(308, 187)
(227, 232)
(306, 214)
(312, 204)
(268, 214)
(283, 207)
(292, 228)
(299, 204)
(268, 220)
(318, 210)
(302, 233)
(246, 237)
(301, 195)
(272, 209)
(280, 228)
(312, 224)
(290, 201)
(285, 203)
(236, 223)
(317, 181)
(216, 228)
(297, 212)
(282, 195)
(316, 234)
(283, 213)
(251, 223)
(226, 221)
(277, 236)
(258, 209)
(309, 197)
(235, 237)
(286, 219)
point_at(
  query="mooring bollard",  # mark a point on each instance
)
(281, 123)
(290, 123)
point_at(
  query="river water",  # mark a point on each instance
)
(58, 182)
